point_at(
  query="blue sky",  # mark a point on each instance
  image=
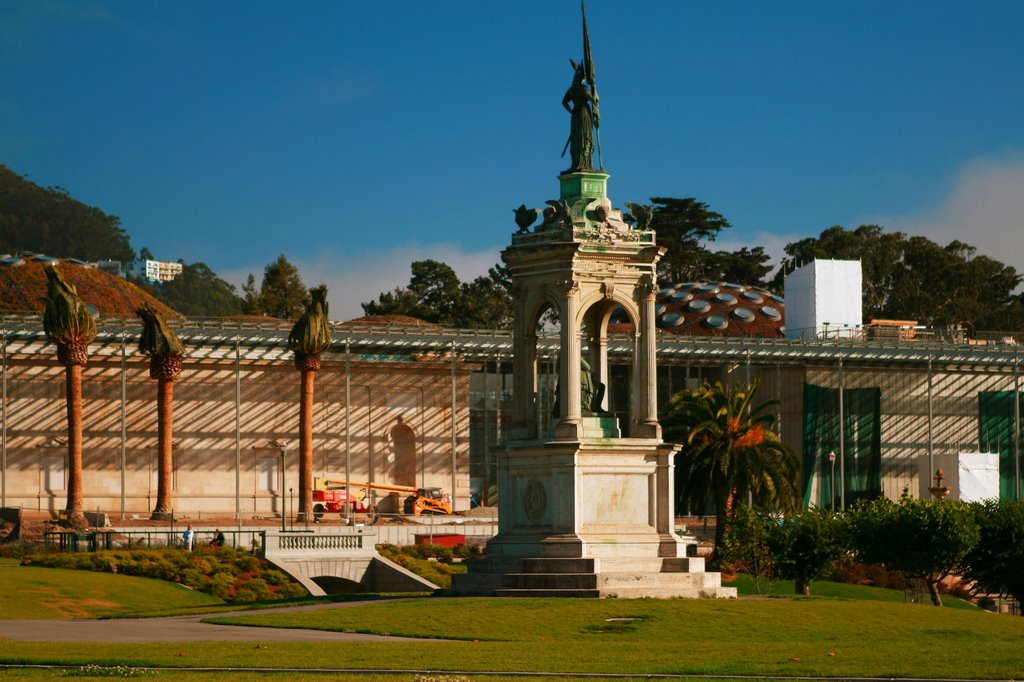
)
(355, 137)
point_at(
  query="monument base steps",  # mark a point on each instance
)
(626, 578)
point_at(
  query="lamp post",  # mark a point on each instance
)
(282, 446)
(832, 481)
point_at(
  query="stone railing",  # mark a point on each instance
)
(318, 543)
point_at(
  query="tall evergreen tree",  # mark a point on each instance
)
(435, 294)
(683, 226)
(281, 293)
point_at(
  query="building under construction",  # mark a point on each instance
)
(871, 411)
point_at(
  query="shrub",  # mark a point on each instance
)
(253, 589)
(996, 562)
(806, 546)
(417, 559)
(924, 540)
(745, 546)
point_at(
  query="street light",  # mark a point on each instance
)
(282, 445)
(832, 481)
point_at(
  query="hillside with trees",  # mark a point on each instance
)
(48, 220)
(198, 292)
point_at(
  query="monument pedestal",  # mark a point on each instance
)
(588, 518)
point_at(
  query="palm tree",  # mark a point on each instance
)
(68, 322)
(161, 345)
(310, 336)
(729, 452)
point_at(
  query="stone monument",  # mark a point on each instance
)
(584, 511)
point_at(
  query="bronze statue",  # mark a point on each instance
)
(641, 214)
(584, 117)
(591, 393)
(585, 114)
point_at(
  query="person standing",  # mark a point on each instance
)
(188, 537)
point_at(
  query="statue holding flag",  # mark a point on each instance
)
(585, 115)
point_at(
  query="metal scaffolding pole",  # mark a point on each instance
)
(778, 396)
(931, 456)
(369, 443)
(842, 441)
(1016, 424)
(455, 408)
(238, 432)
(124, 420)
(499, 380)
(348, 432)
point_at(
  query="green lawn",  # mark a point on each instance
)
(838, 636)
(815, 637)
(52, 594)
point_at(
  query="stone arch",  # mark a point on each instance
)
(331, 584)
(592, 319)
(402, 439)
(606, 303)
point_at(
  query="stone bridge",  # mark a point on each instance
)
(338, 560)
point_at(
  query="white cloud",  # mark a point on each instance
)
(984, 208)
(354, 279)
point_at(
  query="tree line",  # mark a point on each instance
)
(920, 544)
(904, 277)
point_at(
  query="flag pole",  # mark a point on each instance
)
(588, 69)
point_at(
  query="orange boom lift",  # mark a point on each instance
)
(330, 495)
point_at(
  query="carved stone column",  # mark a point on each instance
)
(569, 371)
(647, 386)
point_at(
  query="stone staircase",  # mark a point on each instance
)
(625, 578)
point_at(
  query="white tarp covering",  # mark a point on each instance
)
(971, 476)
(824, 298)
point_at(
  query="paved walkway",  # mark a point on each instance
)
(176, 629)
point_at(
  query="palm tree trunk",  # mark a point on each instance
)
(723, 515)
(165, 454)
(306, 444)
(73, 383)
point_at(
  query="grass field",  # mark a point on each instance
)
(837, 636)
(817, 637)
(49, 594)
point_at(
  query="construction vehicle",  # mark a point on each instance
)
(331, 495)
